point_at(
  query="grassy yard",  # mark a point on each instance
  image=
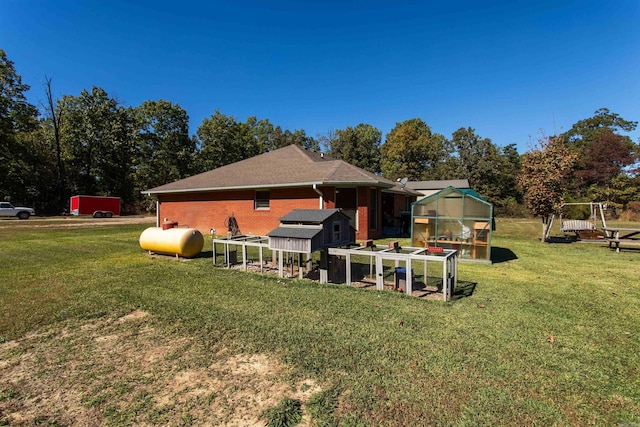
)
(95, 332)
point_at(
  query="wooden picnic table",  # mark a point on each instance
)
(617, 235)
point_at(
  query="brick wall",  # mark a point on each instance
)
(208, 210)
(205, 211)
(329, 197)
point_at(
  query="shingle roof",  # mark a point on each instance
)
(438, 185)
(399, 189)
(307, 216)
(295, 233)
(289, 166)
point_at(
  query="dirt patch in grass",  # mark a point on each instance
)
(132, 370)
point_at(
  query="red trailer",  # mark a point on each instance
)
(98, 206)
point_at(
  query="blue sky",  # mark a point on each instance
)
(509, 69)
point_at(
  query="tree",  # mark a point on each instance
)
(544, 172)
(54, 112)
(624, 190)
(605, 157)
(586, 130)
(262, 133)
(98, 136)
(300, 137)
(411, 150)
(164, 151)
(326, 140)
(37, 171)
(283, 138)
(602, 152)
(491, 170)
(359, 146)
(17, 116)
(223, 141)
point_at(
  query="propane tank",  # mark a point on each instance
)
(184, 242)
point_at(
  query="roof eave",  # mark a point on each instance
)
(405, 192)
(251, 187)
(359, 183)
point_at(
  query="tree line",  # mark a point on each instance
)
(92, 144)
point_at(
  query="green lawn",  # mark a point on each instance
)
(549, 337)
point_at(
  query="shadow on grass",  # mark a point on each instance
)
(433, 285)
(463, 289)
(499, 255)
(632, 249)
(205, 254)
(562, 239)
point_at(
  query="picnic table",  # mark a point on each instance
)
(617, 235)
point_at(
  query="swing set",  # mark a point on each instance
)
(585, 230)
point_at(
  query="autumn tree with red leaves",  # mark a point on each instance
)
(605, 158)
(543, 176)
(603, 153)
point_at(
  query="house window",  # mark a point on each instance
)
(373, 209)
(337, 231)
(262, 200)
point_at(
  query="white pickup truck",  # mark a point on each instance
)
(7, 209)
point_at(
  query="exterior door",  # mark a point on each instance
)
(347, 200)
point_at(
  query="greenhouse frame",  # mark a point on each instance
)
(454, 218)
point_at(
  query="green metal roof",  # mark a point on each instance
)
(470, 192)
(445, 191)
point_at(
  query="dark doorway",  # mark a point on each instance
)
(347, 200)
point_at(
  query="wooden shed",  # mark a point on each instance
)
(309, 230)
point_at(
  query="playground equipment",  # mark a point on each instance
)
(590, 231)
(583, 229)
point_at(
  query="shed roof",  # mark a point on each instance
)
(290, 166)
(309, 216)
(295, 232)
(438, 184)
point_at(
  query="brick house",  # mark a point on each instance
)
(260, 190)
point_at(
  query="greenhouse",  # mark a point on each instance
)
(454, 218)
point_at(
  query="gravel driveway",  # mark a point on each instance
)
(71, 221)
